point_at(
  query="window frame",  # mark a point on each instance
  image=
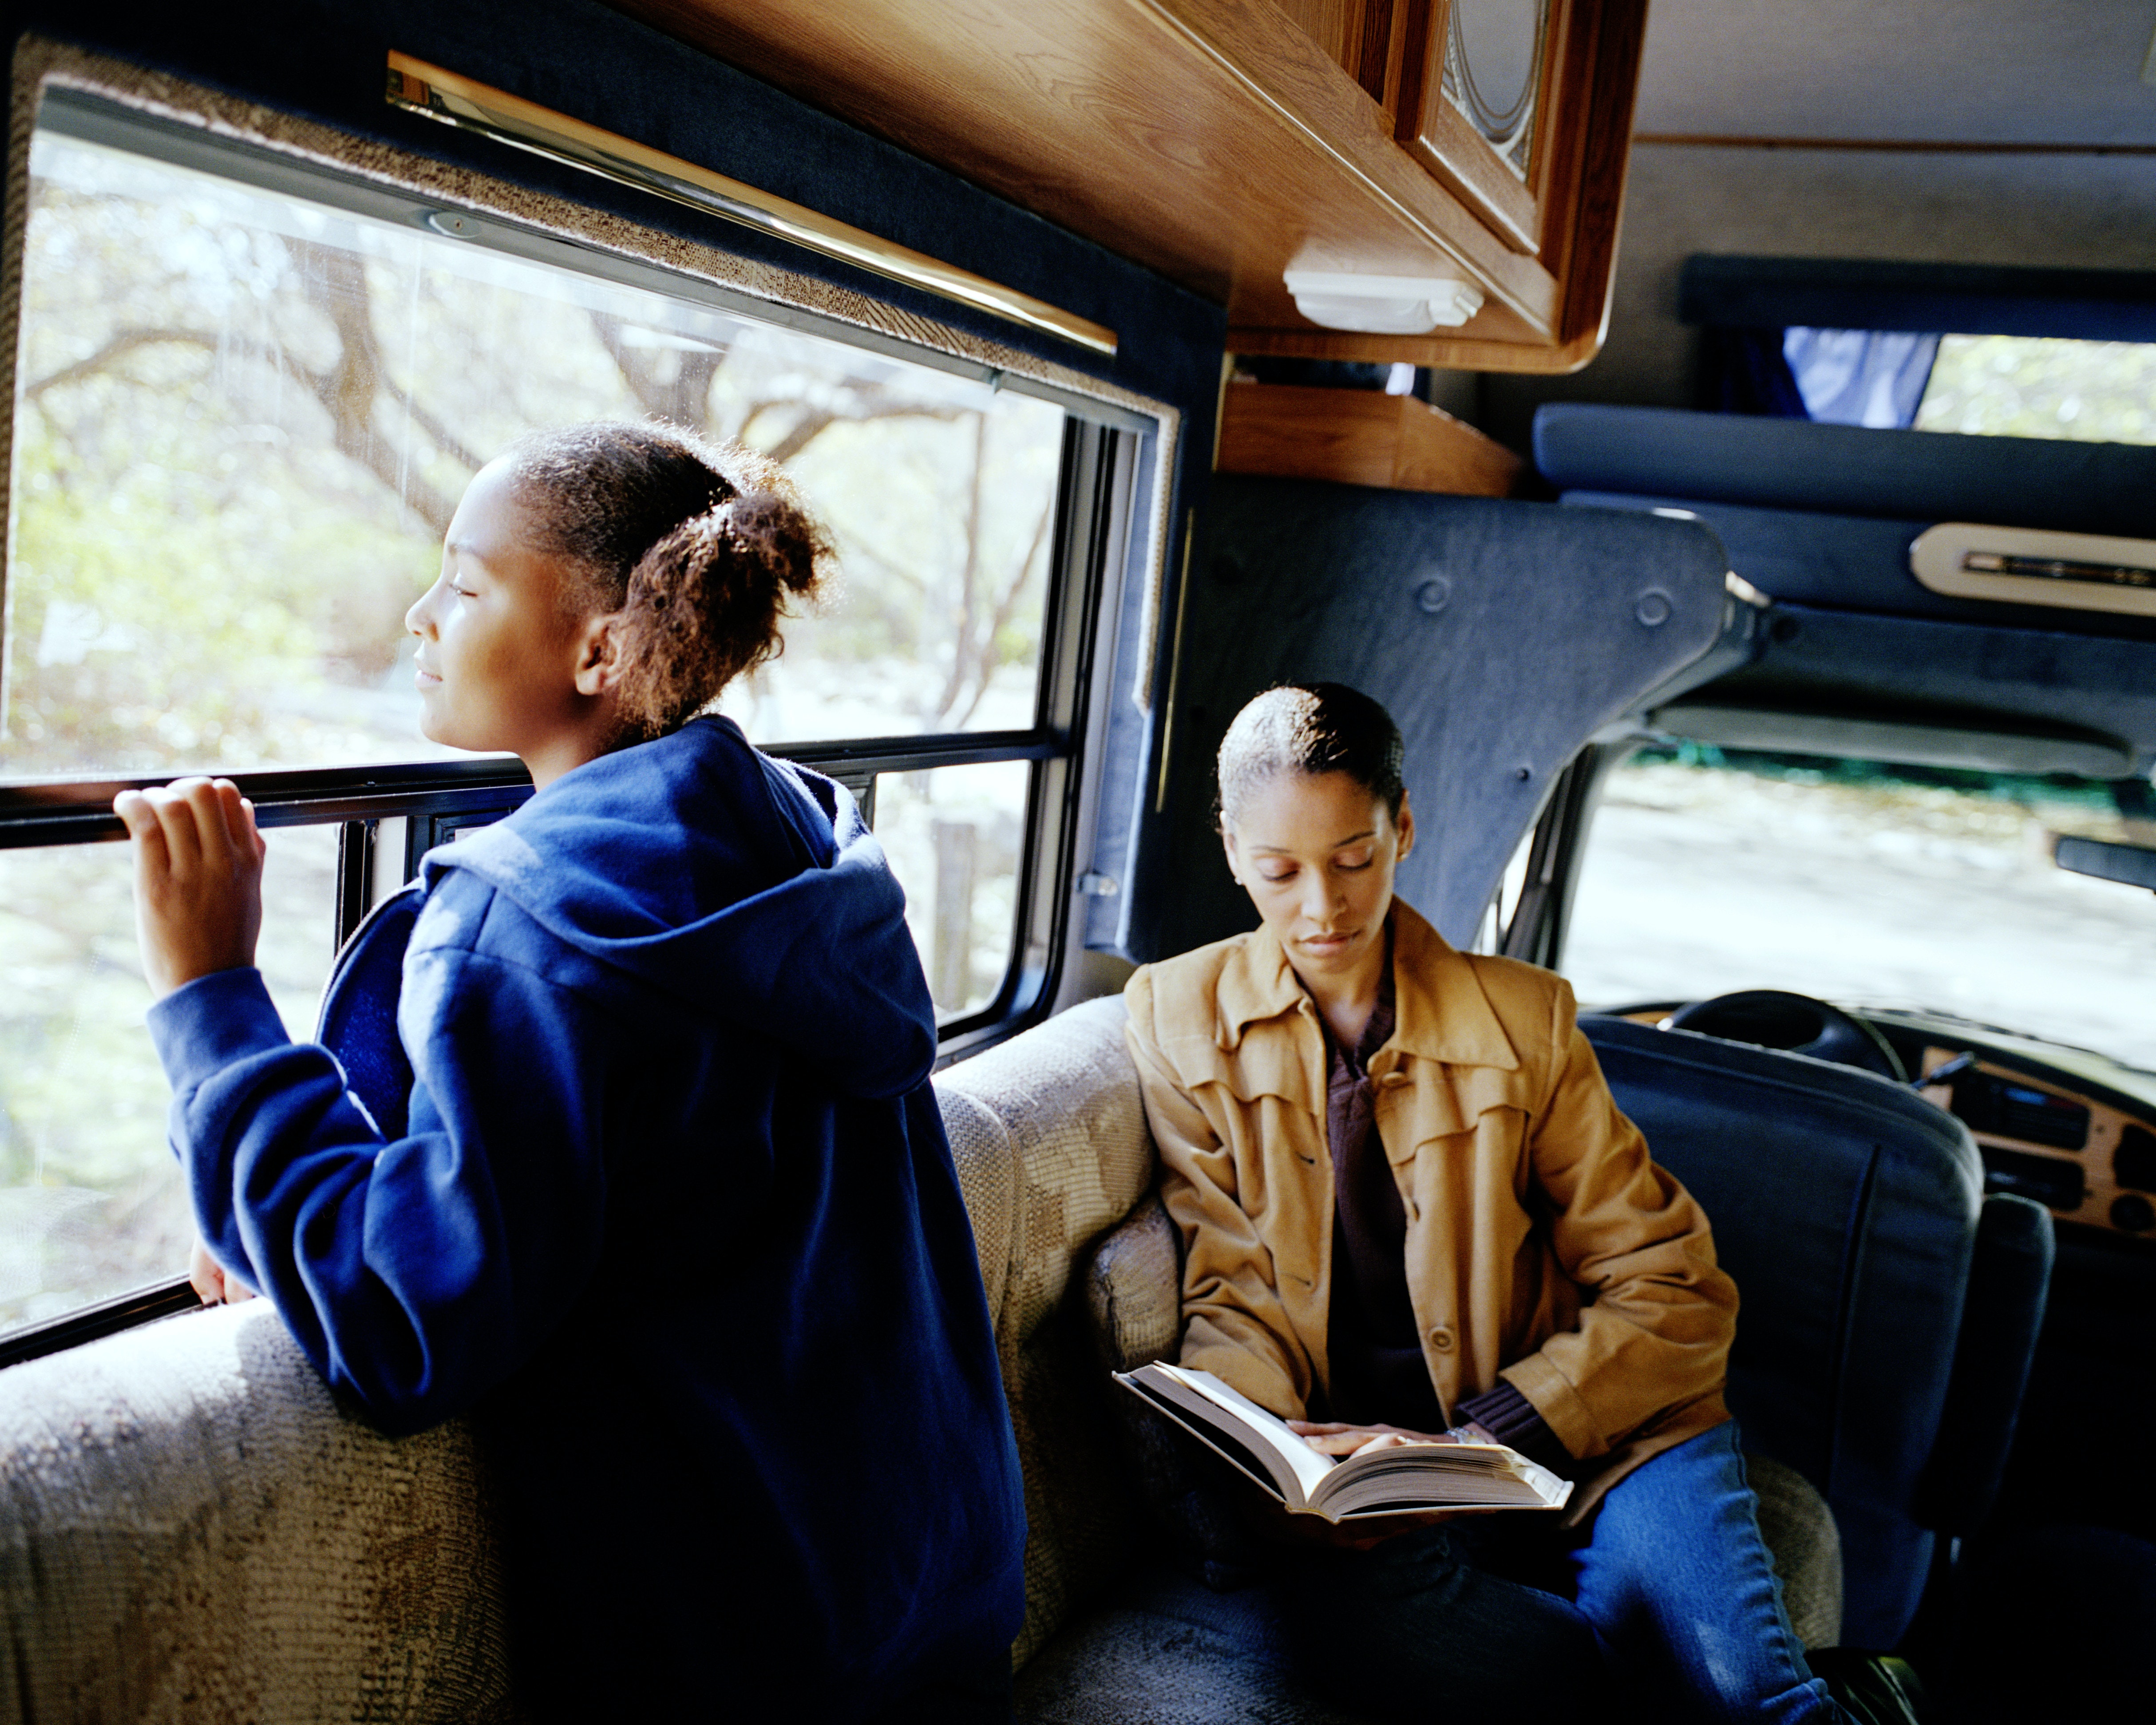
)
(1107, 448)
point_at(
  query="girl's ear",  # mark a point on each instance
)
(1405, 827)
(1228, 845)
(598, 656)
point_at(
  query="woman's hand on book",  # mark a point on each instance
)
(1330, 1438)
(197, 878)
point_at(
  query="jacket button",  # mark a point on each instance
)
(1392, 1081)
(1442, 1340)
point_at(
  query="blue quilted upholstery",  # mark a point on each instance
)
(1501, 635)
(1847, 1209)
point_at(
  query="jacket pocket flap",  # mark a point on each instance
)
(1448, 1100)
(1261, 1066)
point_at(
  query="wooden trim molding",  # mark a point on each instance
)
(2096, 1160)
(453, 99)
(1359, 437)
(1223, 142)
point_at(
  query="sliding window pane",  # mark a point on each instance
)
(954, 835)
(245, 417)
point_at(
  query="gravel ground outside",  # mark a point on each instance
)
(1699, 881)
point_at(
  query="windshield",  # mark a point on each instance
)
(1711, 870)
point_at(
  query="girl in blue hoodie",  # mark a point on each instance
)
(617, 1133)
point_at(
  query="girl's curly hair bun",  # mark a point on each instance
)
(698, 548)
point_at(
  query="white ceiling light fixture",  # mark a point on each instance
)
(1383, 305)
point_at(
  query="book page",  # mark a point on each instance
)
(1255, 1461)
(1441, 1476)
(1308, 1467)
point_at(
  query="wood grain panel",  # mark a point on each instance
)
(1599, 143)
(2096, 1158)
(1580, 178)
(1440, 137)
(1358, 436)
(1212, 139)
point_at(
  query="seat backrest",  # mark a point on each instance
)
(1845, 1207)
(192, 1531)
(1050, 1136)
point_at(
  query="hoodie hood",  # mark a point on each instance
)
(741, 888)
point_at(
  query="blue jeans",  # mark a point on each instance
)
(1672, 1603)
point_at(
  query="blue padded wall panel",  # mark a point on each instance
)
(1845, 1209)
(1853, 563)
(1848, 469)
(1501, 635)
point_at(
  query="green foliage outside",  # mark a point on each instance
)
(1966, 799)
(2020, 386)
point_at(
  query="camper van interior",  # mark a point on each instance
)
(1722, 432)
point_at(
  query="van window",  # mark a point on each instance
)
(247, 417)
(2024, 386)
(1709, 870)
(248, 396)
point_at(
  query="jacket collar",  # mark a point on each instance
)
(1443, 1013)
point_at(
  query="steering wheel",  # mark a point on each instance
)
(1774, 1018)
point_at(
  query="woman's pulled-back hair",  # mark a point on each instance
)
(1311, 728)
(697, 546)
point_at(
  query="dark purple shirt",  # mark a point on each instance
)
(1378, 1375)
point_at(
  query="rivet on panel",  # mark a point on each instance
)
(1653, 607)
(1432, 596)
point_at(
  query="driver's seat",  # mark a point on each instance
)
(1889, 1310)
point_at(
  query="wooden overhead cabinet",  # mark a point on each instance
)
(1476, 143)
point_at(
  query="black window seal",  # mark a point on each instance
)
(106, 1317)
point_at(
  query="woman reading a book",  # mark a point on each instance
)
(619, 1134)
(1412, 1214)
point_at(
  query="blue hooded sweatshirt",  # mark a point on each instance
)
(618, 1136)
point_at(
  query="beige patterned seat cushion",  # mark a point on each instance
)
(1050, 1125)
(191, 1531)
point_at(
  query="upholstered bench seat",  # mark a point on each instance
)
(191, 1531)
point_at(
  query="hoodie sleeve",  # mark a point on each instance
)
(418, 1272)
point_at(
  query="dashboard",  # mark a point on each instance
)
(2070, 1129)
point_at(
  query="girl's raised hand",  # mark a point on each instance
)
(197, 878)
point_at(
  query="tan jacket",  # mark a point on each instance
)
(1543, 1245)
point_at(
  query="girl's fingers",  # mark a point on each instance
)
(183, 834)
(260, 845)
(206, 1276)
(205, 802)
(239, 820)
(135, 813)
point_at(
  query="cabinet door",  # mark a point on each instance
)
(1489, 105)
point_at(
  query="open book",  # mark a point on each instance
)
(1389, 1481)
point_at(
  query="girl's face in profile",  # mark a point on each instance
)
(497, 657)
(1317, 852)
